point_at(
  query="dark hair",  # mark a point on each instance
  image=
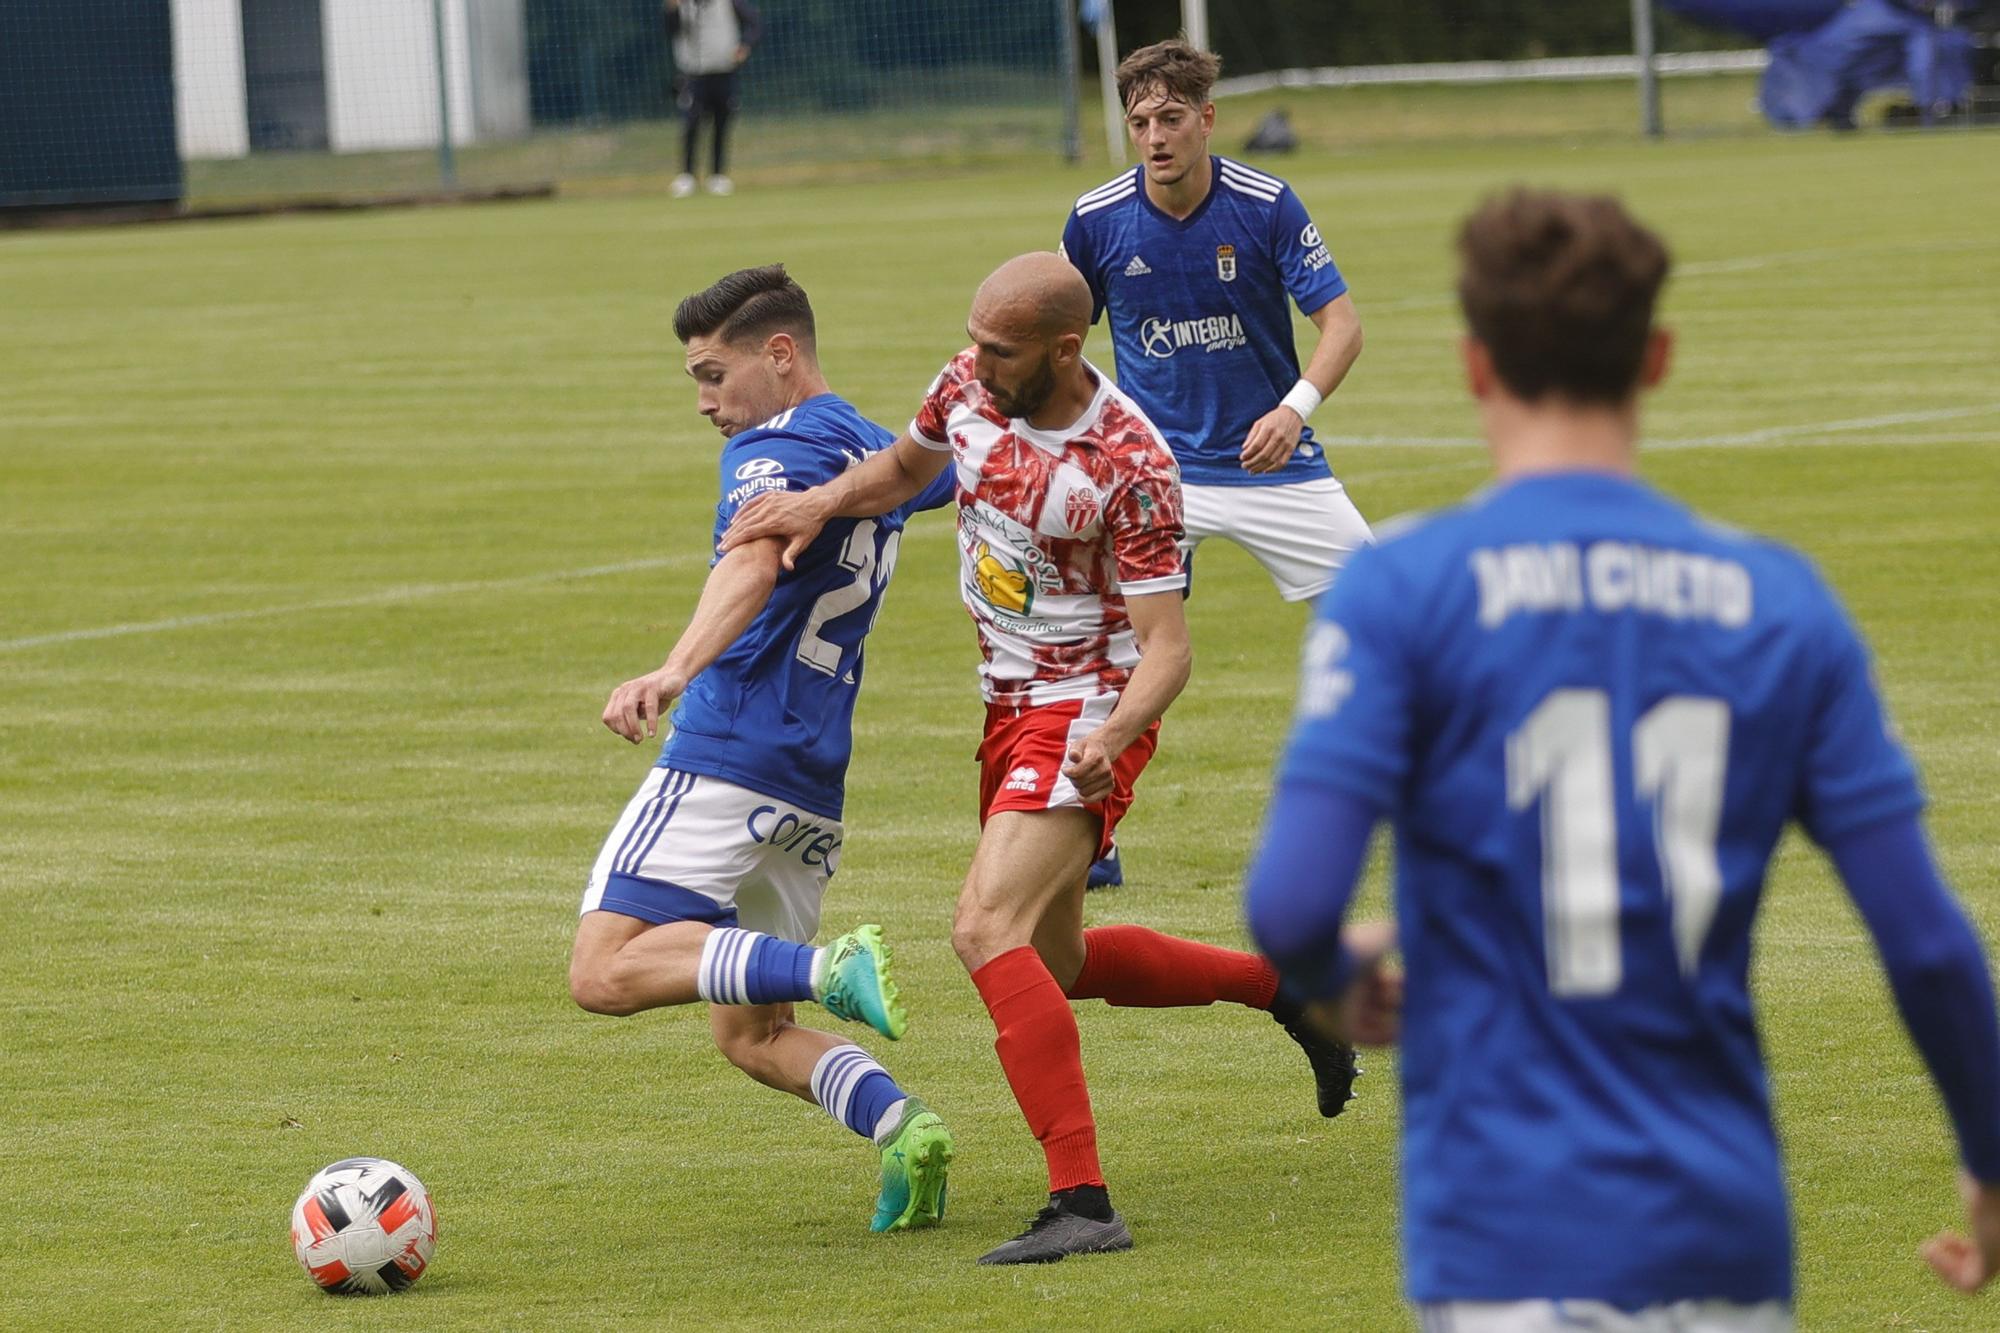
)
(1183, 72)
(749, 303)
(1561, 289)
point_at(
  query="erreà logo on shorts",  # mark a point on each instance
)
(1212, 333)
(1024, 778)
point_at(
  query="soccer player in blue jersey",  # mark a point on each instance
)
(1588, 714)
(1198, 260)
(709, 885)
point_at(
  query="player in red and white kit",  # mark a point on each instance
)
(1069, 519)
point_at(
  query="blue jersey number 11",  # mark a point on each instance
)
(1561, 757)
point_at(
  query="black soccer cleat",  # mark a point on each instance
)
(1333, 1062)
(1057, 1233)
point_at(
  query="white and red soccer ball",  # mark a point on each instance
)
(364, 1227)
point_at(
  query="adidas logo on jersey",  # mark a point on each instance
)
(1137, 268)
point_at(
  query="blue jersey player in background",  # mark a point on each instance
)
(1197, 261)
(709, 885)
(1589, 714)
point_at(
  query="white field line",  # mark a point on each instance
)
(1768, 435)
(1776, 434)
(424, 591)
(414, 592)
(1715, 268)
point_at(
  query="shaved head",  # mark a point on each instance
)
(1039, 295)
(1028, 323)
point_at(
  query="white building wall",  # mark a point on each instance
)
(209, 105)
(381, 74)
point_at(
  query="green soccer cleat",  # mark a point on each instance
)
(915, 1161)
(852, 980)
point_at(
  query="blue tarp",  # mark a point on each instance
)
(1827, 55)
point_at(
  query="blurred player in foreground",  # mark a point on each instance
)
(709, 885)
(1198, 259)
(1589, 714)
(1068, 519)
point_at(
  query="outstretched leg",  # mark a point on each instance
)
(1137, 967)
(623, 965)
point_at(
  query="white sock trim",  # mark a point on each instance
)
(887, 1124)
(724, 975)
(836, 1076)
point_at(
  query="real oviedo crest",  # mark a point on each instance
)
(1225, 262)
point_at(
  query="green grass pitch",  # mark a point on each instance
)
(323, 539)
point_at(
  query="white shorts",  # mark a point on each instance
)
(695, 848)
(1301, 532)
(1597, 1317)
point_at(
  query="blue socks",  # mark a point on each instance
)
(744, 967)
(857, 1092)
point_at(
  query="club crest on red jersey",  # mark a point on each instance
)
(1080, 509)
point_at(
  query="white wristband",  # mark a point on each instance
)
(1303, 399)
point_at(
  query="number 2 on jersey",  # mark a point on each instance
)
(1561, 756)
(870, 575)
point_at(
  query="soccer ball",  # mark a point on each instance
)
(364, 1226)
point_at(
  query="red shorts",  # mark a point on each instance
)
(1022, 757)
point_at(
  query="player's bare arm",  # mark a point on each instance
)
(887, 479)
(1276, 433)
(734, 595)
(1159, 621)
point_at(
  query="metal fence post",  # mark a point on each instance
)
(1649, 74)
(1072, 113)
(447, 160)
(1194, 22)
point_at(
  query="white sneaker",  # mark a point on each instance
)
(682, 187)
(721, 185)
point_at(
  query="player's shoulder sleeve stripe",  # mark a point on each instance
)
(1250, 174)
(1123, 180)
(778, 422)
(1246, 185)
(1107, 201)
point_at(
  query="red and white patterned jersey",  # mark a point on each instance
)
(1055, 529)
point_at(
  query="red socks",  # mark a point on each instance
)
(1038, 1044)
(1043, 1058)
(1130, 965)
